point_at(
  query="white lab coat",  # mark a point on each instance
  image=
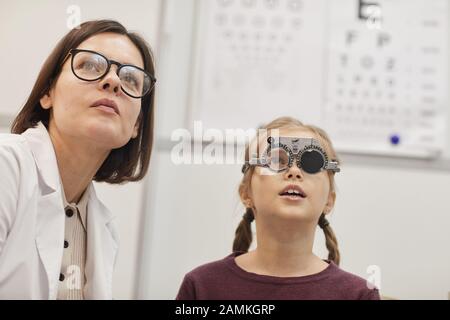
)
(32, 221)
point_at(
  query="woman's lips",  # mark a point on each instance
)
(106, 109)
(106, 105)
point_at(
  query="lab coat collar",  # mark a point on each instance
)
(44, 154)
(41, 146)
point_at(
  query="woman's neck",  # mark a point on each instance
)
(78, 161)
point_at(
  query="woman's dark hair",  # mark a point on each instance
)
(128, 163)
(243, 235)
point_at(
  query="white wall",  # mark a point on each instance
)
(387, 214)
(28, 32)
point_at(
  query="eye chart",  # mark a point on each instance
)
(374, 74)
(387, 77)
(257, 60)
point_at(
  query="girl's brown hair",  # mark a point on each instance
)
(128, 163)
(243, 235)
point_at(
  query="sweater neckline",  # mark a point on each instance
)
(231, 263)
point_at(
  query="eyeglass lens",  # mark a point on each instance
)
(91, 66)
(311, 161)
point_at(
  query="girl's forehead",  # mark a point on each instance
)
(296, 133)
(287, 132)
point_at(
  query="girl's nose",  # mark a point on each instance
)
(294, 172)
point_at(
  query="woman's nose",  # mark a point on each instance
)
(111, 81)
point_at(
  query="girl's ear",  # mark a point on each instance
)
(330, 202)
(246, 198)
(247, 201)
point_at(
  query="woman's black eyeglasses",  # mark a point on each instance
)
(89, 65)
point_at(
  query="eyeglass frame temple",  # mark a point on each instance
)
(333, 166)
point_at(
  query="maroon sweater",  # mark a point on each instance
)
(225, 280)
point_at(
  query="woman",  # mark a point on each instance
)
(89, 117)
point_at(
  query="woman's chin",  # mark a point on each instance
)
(109, 135)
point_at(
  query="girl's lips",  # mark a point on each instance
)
(292, 198)
(293, 189)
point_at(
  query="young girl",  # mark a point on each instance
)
(287, 191)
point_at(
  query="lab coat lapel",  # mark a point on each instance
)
(50, 237)
(101, 250)
(50, 209)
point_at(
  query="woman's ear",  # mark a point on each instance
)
(330, 202)
(136, 126)
(46, 101)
